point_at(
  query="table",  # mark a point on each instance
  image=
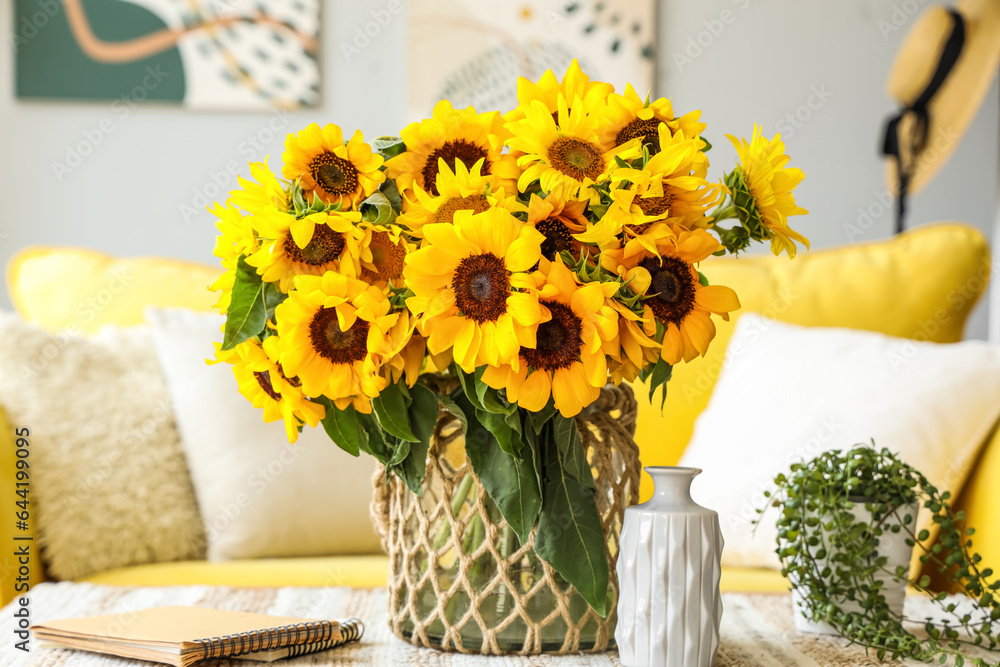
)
(757, 630)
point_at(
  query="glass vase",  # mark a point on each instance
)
(461, 580)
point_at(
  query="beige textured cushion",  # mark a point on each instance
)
(110, 485)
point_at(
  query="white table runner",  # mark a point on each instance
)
(757, 630)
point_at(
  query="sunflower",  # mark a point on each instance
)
(670, 188)
(637, 343)
(382, 253)
(334, 333)
(568, 362)
(675, 297)
(267, 193)
(454, 135)
(762, 191)
(236, 238)
(406, 351)
(568, 157)
(466, 281)
(575, 83)
(465, 189)
(324, 165)
(628, 116)
(263, 382)
(313, 245)
(557, 220)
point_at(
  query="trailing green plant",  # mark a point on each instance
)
(833, 560)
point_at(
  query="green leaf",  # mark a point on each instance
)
(423, 413)
(451, 405)
(508, 437)
(377, 209)
(541, 418)
(247, 314)
(703, 279)
(468, 385)
(566, 435)
(388, 147)
(569, 533)
(391, 192)
(343, 428)
(490, 398)
(400, 452)
(376, 443)
(391, 410)
(658, 378)
(510, 481)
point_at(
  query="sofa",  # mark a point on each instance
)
(920, 285)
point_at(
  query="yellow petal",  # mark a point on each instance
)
(699, 329)
(465, 356)
(524, 252)
(717, 299)
(535, 391)
(302, 231)
(443, 334)
(524, 308)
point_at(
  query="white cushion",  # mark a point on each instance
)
(259, 495)
(788, 393)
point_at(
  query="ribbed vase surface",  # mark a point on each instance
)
(669, 567)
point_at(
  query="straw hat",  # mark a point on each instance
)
(953, 106)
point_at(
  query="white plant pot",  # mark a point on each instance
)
(669, 565)
(891, 545)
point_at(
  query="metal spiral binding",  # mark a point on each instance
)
(350, 630)
(280, 637)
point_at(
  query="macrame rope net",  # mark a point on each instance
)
(460, 580)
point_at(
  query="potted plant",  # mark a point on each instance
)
(847, 526)
(467, 303)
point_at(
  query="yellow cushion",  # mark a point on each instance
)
(921, 285)
(354, 571)
(81, 290)
(980, 500)
(14, 579)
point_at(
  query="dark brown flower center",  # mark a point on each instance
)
(387, 257)
(655, 205)
(648, 130)
(558, 341)
(446, 212)
(557, 235)
(481, 285)
(324, 247)
(452, 151)
(334, 344)
(264, 380)
(335, 175)
(576, 158)
(671, 289)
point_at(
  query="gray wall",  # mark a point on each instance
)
(143, 188)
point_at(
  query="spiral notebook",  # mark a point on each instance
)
(182, 636)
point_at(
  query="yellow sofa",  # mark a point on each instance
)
(922, 284)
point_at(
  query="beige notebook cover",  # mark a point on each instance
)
(181, 636)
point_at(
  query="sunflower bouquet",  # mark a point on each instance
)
(531, 257)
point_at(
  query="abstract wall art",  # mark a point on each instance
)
(201, 54)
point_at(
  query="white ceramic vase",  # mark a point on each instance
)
(669, 565)
(891, 545)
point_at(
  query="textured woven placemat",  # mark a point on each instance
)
(757, 630)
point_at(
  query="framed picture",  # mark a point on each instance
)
(201, 54)
(472, 51)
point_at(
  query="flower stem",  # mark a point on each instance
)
(724, 213)
(461, 494)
